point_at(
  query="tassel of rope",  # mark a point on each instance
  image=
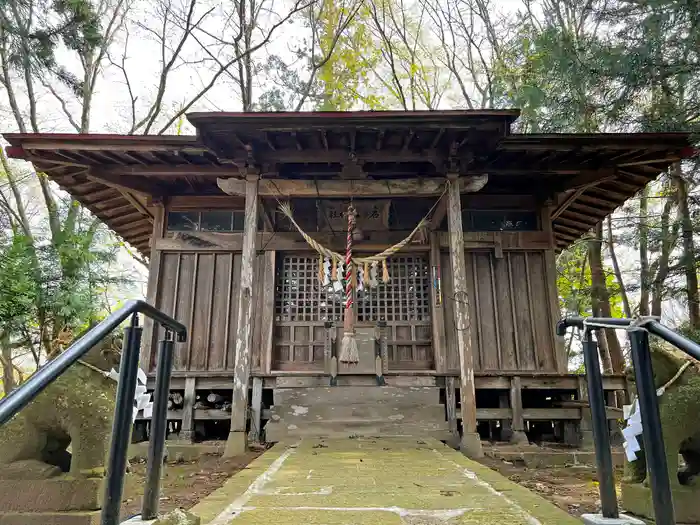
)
(385, 272)
(321, 272)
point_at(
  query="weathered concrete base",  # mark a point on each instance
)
(236, 444)
(636, 498)
(50, 495)
(180, 451)
(518, 437)
(175, 517)
(587, 441)
(533, 456)
(50, 518)
(470, 445)
(598, 519)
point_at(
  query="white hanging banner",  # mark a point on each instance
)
(142, 399)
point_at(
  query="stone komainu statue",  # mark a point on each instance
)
(679, 407)
(77, 410)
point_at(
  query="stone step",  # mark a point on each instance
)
(282, 431)
(356, 395)
(299, 414)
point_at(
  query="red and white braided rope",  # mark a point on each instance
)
(348, 259)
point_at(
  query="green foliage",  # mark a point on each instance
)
(19, 292)
(346, 73)
(33, 40)
(554, 76)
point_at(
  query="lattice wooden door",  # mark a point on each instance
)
(303, 306)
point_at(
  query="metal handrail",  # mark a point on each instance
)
(126, 389)
(654, 450)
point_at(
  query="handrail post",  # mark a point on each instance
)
(654, 449)
(123, 421)
(601, 436)
(159, 427)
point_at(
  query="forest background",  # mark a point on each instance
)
(137, 66)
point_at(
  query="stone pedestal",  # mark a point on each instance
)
(598, 519)
(636, 499)
(471, 445)
(55, 501)
(236, 444)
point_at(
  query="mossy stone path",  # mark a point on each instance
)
(373, 481)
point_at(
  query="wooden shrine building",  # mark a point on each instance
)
(458, 324)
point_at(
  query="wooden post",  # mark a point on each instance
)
(187, 429)
(236, 443)
(517, 423)
(268, 313)
(256, 410)
(150, 335)
(550, 274)
(471, 443)
(436, 309)
(451, 404)
(585, 425)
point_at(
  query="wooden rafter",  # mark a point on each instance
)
(126, 183)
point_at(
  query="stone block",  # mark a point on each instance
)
(179, 451)
(636, 499)
(178, 517)
(50, 518)
(344, 395)
(471, 445)
(50, 495)
(598, 519)
(236, 444)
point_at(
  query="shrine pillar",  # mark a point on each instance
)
(236, 443)
(471, 443)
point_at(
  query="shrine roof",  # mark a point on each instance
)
(586, 176)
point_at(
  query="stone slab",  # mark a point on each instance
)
(343, 395)
(636, 499)
(367, 481)
(384, 411)
(599, 519)
(283, 431)
(51, 518)
(534, 457)
(179, 451)
(49, 495)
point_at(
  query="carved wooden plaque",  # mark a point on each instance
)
(372, 215)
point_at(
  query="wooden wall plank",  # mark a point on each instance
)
(233, 314)
(543, 321)
(267, 313)
(183, 305)
(201, 313)
(167, 297)
(485, 302)
(506, 316)
(474, 311)
(258, 279)
(223, 275)
(551, 283)
(437, 310)
(521, 301)
(452, 356)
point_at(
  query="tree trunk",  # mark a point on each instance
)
(644, 252)
(688, 256)
(668, 240)
(611, 353)
(618, 273)
(8, 371)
